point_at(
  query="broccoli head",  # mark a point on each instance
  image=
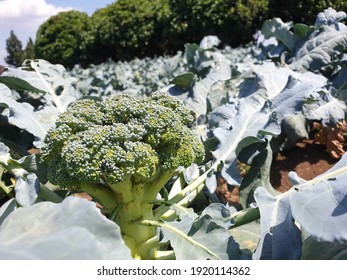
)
(122, 151)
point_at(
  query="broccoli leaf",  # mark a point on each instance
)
(200, 239)
(7, 208)
(21, 115)
(280, 237)
(330, 17)
(184, 80)
(320, 205)
(327, 109)
(18, 84)
(208, 42)
(314, 250)
(196, 96)
(73, 229)
(257, 120)
(27, 184)
(26, 189)
(318, 49)
(46, 79)
(220, 214)
(281, 31)
(298, 89)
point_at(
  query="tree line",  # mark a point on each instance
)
(127, 29)
(15, 52)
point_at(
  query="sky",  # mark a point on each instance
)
(25, 16)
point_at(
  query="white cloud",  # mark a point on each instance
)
(28, 8)
(23, 17)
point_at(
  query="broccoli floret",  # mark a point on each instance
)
(122, 151)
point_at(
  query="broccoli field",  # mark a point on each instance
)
(169, 158)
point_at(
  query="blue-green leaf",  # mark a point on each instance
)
(200, 240)
(73, 229)
(280, 237)
(320, 205)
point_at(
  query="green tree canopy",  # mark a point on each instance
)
(14, 49)
(61, 39)
(30, 49)
(127, 28)
(232, 21)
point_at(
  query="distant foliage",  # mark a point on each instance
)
(16, 53)
(29, 50)
(61, 38)
(14, 46)
(302, 11)
(232, 21)
(128, 29)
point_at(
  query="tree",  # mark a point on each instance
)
(233, 21)
(30, 49)
(14, 49)
(61, 39)
(127, 28)
(302, 11)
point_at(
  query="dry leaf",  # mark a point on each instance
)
(333, 138)
(232, 197)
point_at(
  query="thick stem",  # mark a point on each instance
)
(142, 240)
(133, 203)
(153, 187)
(101, 194)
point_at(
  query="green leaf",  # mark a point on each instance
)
(314, 250)
(184, 81)
(301, 30)
(281, 31)
(18, 84)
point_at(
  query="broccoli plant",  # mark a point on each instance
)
(122, 151)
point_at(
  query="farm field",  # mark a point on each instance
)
(212, 153)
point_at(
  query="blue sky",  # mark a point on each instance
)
(87, 6)
(25, 16)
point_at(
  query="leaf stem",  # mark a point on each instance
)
(244, 217)
(182, 198)
(165, 255)
(50, 90)
(180, 234)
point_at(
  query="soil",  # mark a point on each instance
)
(308, 159)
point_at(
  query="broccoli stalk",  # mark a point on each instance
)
(122, 151)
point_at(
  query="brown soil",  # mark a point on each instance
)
(307, 159)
